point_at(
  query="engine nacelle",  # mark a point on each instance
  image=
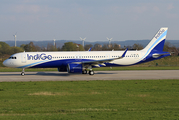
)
(74, 68)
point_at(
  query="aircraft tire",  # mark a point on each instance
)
(84, 72)
(91, 72)
(22, 73)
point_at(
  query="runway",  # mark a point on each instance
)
(99, 75)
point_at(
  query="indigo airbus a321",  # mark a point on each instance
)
(79, 62)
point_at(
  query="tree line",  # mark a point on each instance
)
(5, 49)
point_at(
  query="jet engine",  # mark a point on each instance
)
(74, 68)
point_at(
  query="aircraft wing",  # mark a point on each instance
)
(96, 62)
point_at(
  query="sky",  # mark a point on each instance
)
(93, 19)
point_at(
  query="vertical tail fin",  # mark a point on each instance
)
(158, 41)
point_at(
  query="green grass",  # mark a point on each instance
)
(132, 100)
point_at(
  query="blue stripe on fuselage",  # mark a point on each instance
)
(54, 63)
(32, 64)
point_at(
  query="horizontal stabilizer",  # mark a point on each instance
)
(156, 55)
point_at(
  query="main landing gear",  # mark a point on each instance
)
(84, 72)
(91, 72)
(23, 72)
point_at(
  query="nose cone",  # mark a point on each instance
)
(5, 63)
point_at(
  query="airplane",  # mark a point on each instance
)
(81, 61)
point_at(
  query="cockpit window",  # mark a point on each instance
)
(12, 57)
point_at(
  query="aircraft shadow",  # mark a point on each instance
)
(104, 73)
(66, 74)
(10, 74)
(38, 73)
(50, 74)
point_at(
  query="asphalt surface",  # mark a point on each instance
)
(99, 75)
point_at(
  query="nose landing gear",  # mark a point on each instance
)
(23, 72)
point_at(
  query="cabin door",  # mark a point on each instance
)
(23, 58)
(78, 57)
(107, 56)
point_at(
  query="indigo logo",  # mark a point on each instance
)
(42, 56)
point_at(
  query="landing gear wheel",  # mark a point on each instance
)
(91, 72)
(22, 73)
(84, 72)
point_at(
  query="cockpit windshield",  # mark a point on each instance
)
(12, 57)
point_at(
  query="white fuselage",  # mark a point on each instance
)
(31, 59)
